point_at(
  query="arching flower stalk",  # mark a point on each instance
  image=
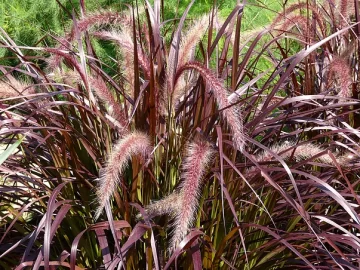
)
(298, 152)
(342, 10)
(166, 206)
(100, 89)
(14, 89)
(183, 203)
(300, 20)
(125, 40)
(198, 156)
(84, 24)
(191, 38)
(135, 143)
(299, 6)
(229, 110)
(187, 47)
(340, 70)
(115, 109)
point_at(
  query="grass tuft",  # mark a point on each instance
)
(208, 146)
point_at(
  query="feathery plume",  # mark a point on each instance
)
(71, 59)
(340, 70)
(14, 89)
(84, 24)
(300, 152)
(295, 20)
(186, 51)
(317, 15)
(135, 143)
(230, 111)
(191, 39)
(98, 19)
(98, 86)
(347, 9)
(198, 156)
(125, 40)
(101, 90)
(344, 9)
(290, 149)
(166, 206)
(68, 76)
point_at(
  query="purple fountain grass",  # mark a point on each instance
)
(316, 13)
(295, 20)
(68, 76)
(341, 71)
(301, 22)
(115, 110)
(66, 55)
(97, 19)
(186, 53)
(15, 89)
(99, 87)
(135, 143)
(198, 156)
(191, 38)
(125, 40)
(88, 21)
(127, 49)
(346, 10)
(340, 12)
(166, 206)
(299, 152)
(183, 203)
(187, 46)
(230, 111)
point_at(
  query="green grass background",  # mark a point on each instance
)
(30, 22)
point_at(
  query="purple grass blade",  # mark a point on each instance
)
(152, 239)
(59, 217)
(227, 195)
(51, 263)
(104, 246)
(332, 193)
(194, 234)
(26, 207)
(233, 13)
(196, 255)
(112, 228)
(283, 241)
(63, 256)
(38, 230)
(50, 210)
(136, 234)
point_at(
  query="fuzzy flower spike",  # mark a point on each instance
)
(135, 143)
(230, 111)
(198, 157)
(183, 203)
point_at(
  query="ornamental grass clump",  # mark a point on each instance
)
(209, 146)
